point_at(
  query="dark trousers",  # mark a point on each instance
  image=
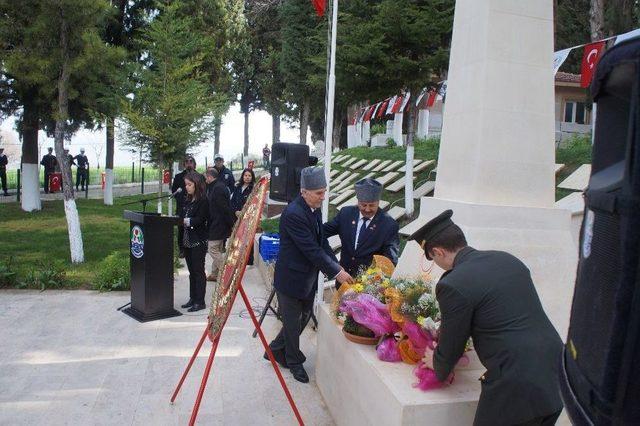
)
(81, 178)
(548, 420)
(197, 278)
(46, 181)
(3, 178)
(295, 315)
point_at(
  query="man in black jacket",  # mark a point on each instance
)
(489, 296)
(3, 171)
(178, 182)
(224, 174)
(221, 220)
(82, 163)
(49, 162)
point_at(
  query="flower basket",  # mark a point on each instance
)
(360, 339)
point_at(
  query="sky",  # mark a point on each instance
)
(231, 140)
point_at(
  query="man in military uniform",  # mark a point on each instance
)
(82, 163)
(49, 162)
(224, 174)
(304, 251)
(3, 171)
(364, 229)
(490, 296)
(178, 182)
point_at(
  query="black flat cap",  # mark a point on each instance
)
(432, 228)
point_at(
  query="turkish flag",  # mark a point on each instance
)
(383, 108)
(320, 6)
(431, 99)
(397, 105)
(590, 59)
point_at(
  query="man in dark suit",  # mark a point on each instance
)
(49, 162)
(3, 170)
(304, 251)
(221, 220)
(224, 174)
(489, 296)
(178, 182)
(82, 170)
(364, 229)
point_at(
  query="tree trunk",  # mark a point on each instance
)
(304, 121)
(246, 133)
(160, 194)
(408, 181)
(596, 19)
(70, 209)
(30, 168)
(338, 122)
(108, 178)
(275, 128)
(217, 122)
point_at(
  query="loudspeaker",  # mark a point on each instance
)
(600, 381)
(287, 161)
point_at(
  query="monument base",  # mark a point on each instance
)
(540, 237)
(359, 389)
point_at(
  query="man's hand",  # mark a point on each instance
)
(428, 358)
(343, 277)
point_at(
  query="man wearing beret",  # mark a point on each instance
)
(364, 229)
(304, 251)
(490, 296)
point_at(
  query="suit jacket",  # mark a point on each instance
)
(221, 216)
(304, 251)
(380, 237)
(198, 214)
(226, 176)
(178, 182)
(49, 161)
(489, 295)
(239, 197)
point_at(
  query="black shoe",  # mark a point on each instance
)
(299, 373)
(279, 356)
(197, 307)
(188, 304)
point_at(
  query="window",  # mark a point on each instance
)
(575, 112)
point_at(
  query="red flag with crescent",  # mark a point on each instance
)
(590, 58)
(319, 5)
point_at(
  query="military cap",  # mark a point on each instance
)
(312, 178)
(218, 157)
(432, 229)
(368, 190)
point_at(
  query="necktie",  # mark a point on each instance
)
(361, 233)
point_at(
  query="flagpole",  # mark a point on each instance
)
(328, 133)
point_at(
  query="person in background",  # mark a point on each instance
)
(82, 163)
(304, 252)
(178, 182)
(224, 174)
(221, 220)
(3, 171)
(364, 229)
(195, 223)
(49, 162)
(266, 155)
(489, 295)
(240, 195)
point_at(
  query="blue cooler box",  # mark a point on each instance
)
(269, 247)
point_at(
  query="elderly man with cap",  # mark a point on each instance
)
(364, 229)
(3, 171)
(224, 174)
(82, 163)
(178, 183)
(304, 251)
(490, 296)
(49, 162)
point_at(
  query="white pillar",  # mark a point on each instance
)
(352, 137)
(423, 124)
(30, 187)
(366, 132)
(397, 128)
(108, 187)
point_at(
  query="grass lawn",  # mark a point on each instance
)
(39, 239)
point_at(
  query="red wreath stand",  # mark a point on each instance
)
(230, 279)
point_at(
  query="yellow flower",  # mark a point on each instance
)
(386, 283)
(359, 288)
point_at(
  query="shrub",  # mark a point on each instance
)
(7, 274)
(378, 129)
(391, 143)
(270, 226)
(575, 150)
(113, 272)
(46, 275)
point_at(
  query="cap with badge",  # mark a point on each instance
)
(312, 178)
(218, 157)
(432, 229)
(368, 190)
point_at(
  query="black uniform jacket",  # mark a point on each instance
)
(489, 295)
(221, 216)
(178, 182)
(198, 214)
(304, 251)
(380, 237)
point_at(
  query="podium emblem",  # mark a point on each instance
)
(137, 242)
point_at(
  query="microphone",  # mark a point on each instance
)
(179, 190)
